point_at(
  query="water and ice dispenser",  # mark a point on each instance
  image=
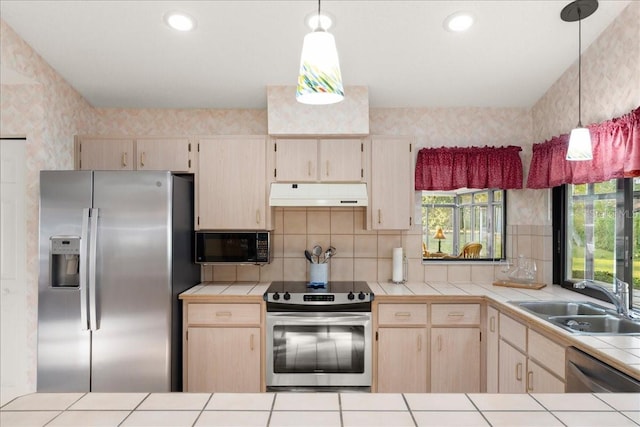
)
(64, 259)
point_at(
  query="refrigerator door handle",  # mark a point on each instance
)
(84, 320)
(93, 243)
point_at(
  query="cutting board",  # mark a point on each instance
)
(508, 284)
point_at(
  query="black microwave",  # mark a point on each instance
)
(233, 247)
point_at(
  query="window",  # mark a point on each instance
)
(463, 225)
(598, 229)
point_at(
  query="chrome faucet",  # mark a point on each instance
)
(619, 297)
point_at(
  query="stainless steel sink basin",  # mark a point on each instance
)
(581, 317)
(604, 324)
(562, 308)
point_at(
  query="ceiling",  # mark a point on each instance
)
(121, 54)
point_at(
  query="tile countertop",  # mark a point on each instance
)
(623, 352)
(321, 409)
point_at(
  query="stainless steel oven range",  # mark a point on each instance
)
(318, 336)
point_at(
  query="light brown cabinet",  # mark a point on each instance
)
(492, 346)
(222, 347)
(402, 350)
(313, 160)
(105, 154)
(528, 361)
(392, 194)
(97, 153)
(455, 348)
(231, 184)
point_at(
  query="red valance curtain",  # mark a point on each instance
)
(450, 168)
(616, 154)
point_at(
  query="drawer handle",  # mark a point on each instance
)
(492, 323)
(223, 314)
(251, 342)
(402, 314)
(530, 381)
(439, 341)
(124, 160)
(379, 216)
(327, 167)
(419, 342)
(455, 314)
(519, 372)
(258, 216)
(309, 168)
(142, 159)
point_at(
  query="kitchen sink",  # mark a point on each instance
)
(562, 308)
(581, 317)
(603, 324)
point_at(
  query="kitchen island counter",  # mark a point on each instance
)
(321, 409)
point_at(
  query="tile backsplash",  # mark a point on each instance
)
(366, 255)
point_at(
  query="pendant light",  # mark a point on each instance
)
(320, 80)
(580, 138)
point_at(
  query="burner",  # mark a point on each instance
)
(347, 295)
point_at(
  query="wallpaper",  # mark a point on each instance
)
(51, 112)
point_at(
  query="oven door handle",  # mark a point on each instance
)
(315, 319)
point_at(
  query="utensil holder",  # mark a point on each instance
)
(318, 273)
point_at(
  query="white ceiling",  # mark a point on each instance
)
(120, 53)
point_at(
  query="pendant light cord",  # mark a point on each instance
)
(579, 68)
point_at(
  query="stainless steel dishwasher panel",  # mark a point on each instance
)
(586, 374)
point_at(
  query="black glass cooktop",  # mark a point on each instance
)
(330, 288)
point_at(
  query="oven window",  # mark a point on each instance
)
(328, 349)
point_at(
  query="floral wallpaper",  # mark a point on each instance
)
(50, 112)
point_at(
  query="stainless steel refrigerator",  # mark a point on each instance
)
(115, 251)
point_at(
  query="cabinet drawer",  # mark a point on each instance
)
(402, 314)
(455, 314)
(513, 332)
(223, 314)
(546, 352)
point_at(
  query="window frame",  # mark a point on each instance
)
(560, 222)
(458, 205)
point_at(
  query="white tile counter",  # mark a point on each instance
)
(619, 350)
(321, 409)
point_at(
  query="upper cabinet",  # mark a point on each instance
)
(105, 154)
(231, 183)
(391, 183)
(313, 160)
(94, 153)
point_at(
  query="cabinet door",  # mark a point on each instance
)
(232, 183)
(391, 201)
(512, 369)
(493, 342)
(296, 160)
(340, 160)
(455, 360)
(223, 360)
(402, 360)
(105, 154)
(173, 154)
(539, 380)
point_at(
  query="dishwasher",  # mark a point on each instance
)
(586, 374)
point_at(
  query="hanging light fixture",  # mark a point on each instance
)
(320, 80)
(580, 138)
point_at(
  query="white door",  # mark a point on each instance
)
(13, 295)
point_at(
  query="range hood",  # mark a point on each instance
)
(318, 194)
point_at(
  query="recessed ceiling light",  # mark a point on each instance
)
(180, 21)
(458, 22)
(326, 20)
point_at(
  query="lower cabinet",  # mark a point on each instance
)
(402, 348)
(402, 360)
(223, 359)
(528, 361)
(455, 360)
(222, 347)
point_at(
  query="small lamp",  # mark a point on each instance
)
(320, 80)
(580, 138)
(439, 236)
